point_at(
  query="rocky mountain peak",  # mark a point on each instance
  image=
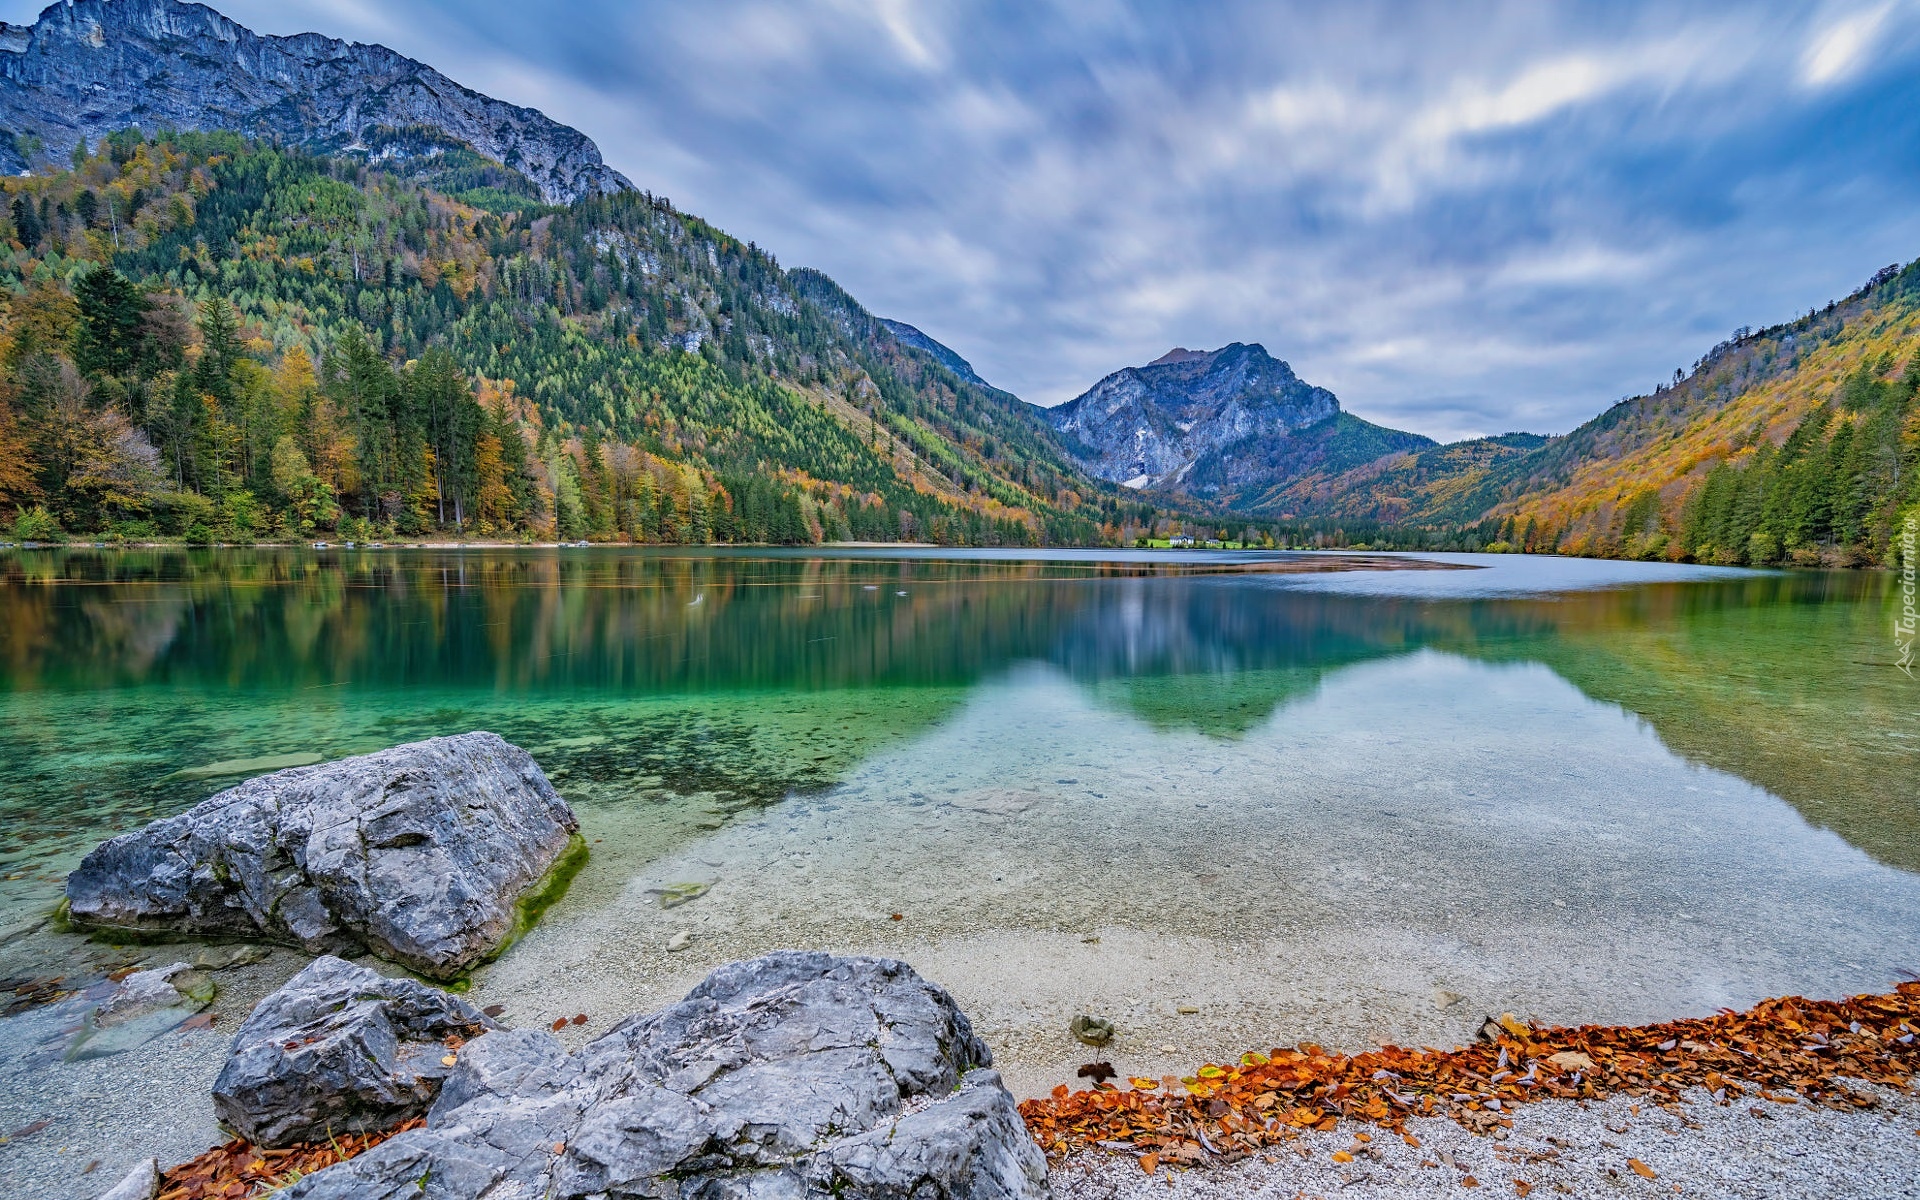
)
(1148, 426)
(92, 67)
(1178, 354)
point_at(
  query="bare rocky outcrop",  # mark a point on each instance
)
(798, 1074)
(93, 67)
(340, 1049)
(425, 854)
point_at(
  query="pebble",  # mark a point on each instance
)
(682, 940)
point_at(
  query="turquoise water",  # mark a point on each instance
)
(1591, 788)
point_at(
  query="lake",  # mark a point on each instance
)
(1302, 800)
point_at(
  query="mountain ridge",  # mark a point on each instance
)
(1148, 427)
(93, 67)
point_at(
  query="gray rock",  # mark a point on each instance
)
(796, 1075)
(1094, 1031)
(340, 1049)
(221, 958)
(138, 1009)
(91, 68)
(141, 1183)
(419, 853)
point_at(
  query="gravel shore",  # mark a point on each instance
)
(1749, 1150)
(103, 1115)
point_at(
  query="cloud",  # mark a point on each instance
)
(1463, 220)
(1842, 47)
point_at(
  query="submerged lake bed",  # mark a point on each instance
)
(1226, 801)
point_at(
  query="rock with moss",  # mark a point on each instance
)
(430, 854)
(797, 1074)
(341, 1049)
(139, 1008)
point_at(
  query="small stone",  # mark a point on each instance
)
(1094, 1031)
(1444, 999)
(1169, 1049)
(141, 1183)
(1187, 1010)
(221, 958)
(140, 1008)
(675, 894)
(682, 940)
(196, 985)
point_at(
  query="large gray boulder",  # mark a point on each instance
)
(421, 853)
(341, 1049)
(796, 1075)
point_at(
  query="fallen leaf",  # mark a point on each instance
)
(449, 1060)
(899, 916)
(30, 1130)
(1641, 1169)
(1522, 1187)
(203, 1020)
(494, 1010)
(1572, 1060)
(580, 1019)
(559, 1023)
(1341, 1156)
(1149, 1163)
(1410, 1140)
(1469, 1181)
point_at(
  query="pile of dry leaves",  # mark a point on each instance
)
(240, 1169)
(1786, 1051)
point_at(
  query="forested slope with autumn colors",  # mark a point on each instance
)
(222, 340)
(1796, 444)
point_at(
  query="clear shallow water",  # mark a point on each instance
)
(1303, 801)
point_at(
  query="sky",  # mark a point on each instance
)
(1463, 218)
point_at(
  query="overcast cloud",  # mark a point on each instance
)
(1463, 219)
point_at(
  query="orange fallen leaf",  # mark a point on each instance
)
(1641, 1169)
(1149, 1163)
(1342, 1156)
(1410, 1140)
(1469, 1181)
(203, 1020)
(448, 1060)
(559, 1023)
(1522, 1187)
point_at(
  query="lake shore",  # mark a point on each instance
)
(1747, 1151)
(102, 1116)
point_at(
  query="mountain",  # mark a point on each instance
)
(1224, 424)
(909, 336)
(299, 343)
(95, 67)
(1795, 444)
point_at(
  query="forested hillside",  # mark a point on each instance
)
(1798, 444)
(209, 338)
